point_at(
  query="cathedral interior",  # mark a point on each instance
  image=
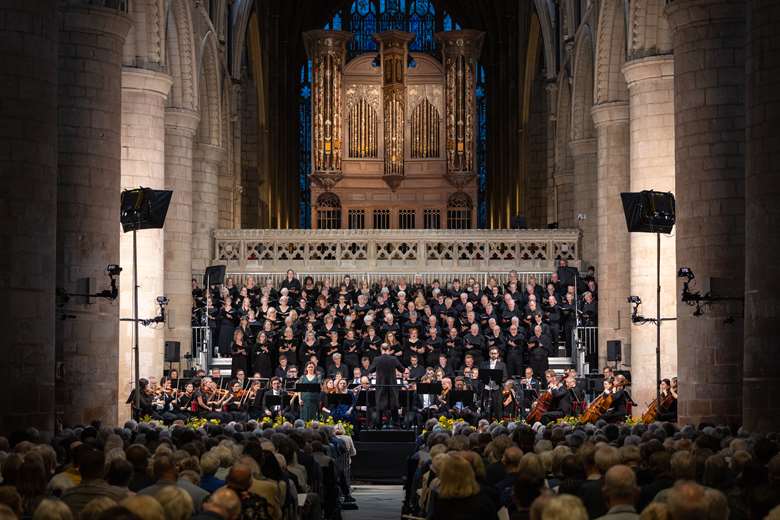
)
(393, 137)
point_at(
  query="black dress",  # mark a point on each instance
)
(240, 358)
(226, 325)
(261, 360)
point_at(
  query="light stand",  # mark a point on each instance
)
(651, 212)
(141, 208)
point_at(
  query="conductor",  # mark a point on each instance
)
(385, 366)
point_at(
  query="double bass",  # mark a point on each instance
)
(597, 408)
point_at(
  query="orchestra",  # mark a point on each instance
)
(354, 400)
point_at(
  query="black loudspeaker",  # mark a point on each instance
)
(649, 211)
(614, 350)
(172, 351)
(381, 462)
(215, 275)
(144, 208)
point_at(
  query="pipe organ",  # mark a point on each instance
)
(407, 122)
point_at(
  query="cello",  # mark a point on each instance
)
(541, 407)
(652, 410)
(597, 408)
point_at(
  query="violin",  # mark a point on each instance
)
(597, 408)
(541, 406)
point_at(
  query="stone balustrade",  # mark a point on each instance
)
(394, 251)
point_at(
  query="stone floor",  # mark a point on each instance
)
(376, 503)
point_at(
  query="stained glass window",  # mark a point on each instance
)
(481, 148)
(304, 145)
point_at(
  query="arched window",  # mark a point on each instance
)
(328, 211)
(459, 207)
(425, 131)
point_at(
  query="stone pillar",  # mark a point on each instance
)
(612, 138)
(709, 70)
(651, 107)
(180, 127)
(90, 75)
(583, 153)
(143, 164)
(762, 216)
(28, 174)
(208, 160)
(551, 97)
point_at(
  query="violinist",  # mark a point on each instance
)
(183, 403)
(667, 411)
(234, 403)
(145, 407)
(164, 401)
(620, 398)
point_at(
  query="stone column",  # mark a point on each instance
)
(709, 71)
(583, 153)
(762, 216)
(90, 105)
(28, 174)
(180, 127)
(205, 201)
(651, 107)
(551, 97)
(611, 121)
(143, 164)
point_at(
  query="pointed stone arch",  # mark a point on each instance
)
(143, 46)
(545, 10)
(210, 93)
(180, 56)
(582, 85)
(611, 53)
(649, 29)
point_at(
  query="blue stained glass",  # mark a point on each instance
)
(304, 147)
(336, 22)
(482, 173)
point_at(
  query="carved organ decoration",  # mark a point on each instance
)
(425, 103)
(407, 121)
(460, 51)
(394, 48)
(326, 50)
(363, 106)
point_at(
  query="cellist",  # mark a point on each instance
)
(561, 403)
(618, 410)
(667, 412)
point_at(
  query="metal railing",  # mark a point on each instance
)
(586, 343)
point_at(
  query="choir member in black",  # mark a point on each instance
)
(433, 347)
(226, 324)
(620, 398)
(281, 369)
(453, 348)
(288, 344)
(338, 368)
(351, 349)
(292, 284)
(310, 347)
(552, 316)
(539, 351)
(385, 367)
(371, 343)
(561, 405)
(238, 353)
(332, 346)
(569, 320)
(667, 412)
(262, 357)
(589, 310)
(276, 394)
(515, 342)
(416, 370)
(509, 310)
(413, 345)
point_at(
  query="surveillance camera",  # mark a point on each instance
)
(113, 270)
(686, 272)
(634, 299)
(162, 300)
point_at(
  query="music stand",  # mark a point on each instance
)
(429, 388)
